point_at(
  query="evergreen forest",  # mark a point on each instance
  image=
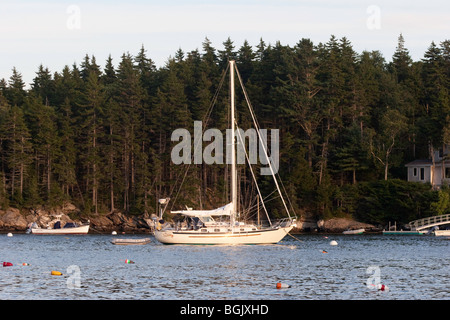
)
(98, 134)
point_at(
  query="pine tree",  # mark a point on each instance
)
(65, 165)
(298, 92)
(129, 98)
(245, 61)
(42, 124)
(17, 152)
(227, 54)
(15, 92)
(401, 61)
(436, 99)
(112, 128)
(92, 125)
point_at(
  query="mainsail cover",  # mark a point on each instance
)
(222, 211)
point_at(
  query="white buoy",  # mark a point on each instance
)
(9, 234)
(333, 243)
(114, 233)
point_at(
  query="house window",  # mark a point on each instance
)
(415, 172)
(422, 173)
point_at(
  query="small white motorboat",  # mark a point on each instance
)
(57, 229)
(131, 241)
(356, 231)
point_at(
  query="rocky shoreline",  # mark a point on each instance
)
(14, 220)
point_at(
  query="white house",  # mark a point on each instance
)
(437, 173)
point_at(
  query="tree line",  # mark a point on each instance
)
(100, 137)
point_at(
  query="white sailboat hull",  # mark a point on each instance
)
(264, 236)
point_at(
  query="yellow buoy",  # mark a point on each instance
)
(56, 273)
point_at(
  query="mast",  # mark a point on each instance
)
(233, 148)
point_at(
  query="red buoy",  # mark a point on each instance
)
(7, 264)
(382, 287)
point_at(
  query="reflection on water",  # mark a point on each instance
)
(413, 267)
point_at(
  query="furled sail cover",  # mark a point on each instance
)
(222, 211)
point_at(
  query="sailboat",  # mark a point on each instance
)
(221, 226)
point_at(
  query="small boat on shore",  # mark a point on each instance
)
(356, 231)
(128, 242)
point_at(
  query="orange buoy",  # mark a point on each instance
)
(282, 285)
(323, 251)
(7, 264)
(56, 273)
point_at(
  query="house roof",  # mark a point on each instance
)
(425, 162)
(419, 162)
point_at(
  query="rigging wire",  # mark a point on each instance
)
(254, 178)
(205, 118)
(259, 135)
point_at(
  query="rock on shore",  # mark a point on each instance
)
(334, 225)
(338, 225)
(117, 221)
(12, 220)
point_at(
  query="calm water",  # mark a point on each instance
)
(413, 267)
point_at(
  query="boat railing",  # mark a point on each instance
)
(177, 226)
(281, 223)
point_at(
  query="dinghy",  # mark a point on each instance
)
(356, 231)
(127, 242)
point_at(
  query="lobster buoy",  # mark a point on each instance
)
(25, 264)
(282, 285)
(129, 261)
(379, 287)
(382, 287)
(56, 273)
(7, 264)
